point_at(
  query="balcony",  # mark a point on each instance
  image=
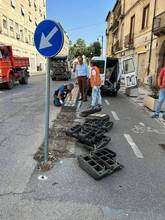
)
(115, 26)
(129, 42)
(116, 47)
(159, 24)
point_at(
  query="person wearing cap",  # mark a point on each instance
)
(95, 82)
(61, 93)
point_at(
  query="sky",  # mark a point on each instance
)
(81, 19)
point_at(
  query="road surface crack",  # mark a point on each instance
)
(15, 194)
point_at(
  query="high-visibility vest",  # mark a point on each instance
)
(95, 80)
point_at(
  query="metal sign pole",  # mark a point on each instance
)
(47, 110)
(49, 41)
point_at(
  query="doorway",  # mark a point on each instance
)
(161, 59)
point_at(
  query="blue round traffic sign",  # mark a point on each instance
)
(49, 38)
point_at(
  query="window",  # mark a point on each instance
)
(35, 6)
(30, 17)
(1, 55)
(44, 3)
(129, 66)
(40, 12)
(12, 3)
(11, 27)
(22, 10)
(26, 36)
(21, 33)
(16, 28)
(30, 4)
(121, 36)
(17, 31)
(5, 26)
(145, 17)
(29, 37)
(132, 28)
(4, 53)
(36, 22)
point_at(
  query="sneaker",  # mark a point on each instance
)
(100, 106)
(80, 99)
(155, 116)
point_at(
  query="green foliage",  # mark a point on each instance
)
(80, 48)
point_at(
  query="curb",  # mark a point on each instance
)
(37, 74)
(71, 105)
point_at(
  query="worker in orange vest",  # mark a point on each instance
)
(95, 82)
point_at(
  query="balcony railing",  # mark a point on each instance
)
(129, 42)
(115, 25)
(159, 24)
(116, 47)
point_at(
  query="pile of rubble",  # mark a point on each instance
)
(101, 161)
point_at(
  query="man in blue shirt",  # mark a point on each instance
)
(82, 74)
(61, 93)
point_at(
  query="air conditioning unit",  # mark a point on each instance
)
(18, 36)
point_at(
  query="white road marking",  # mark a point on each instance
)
(142, 124)
(107, 102)
(115, 116)
(134, 147)
(1, 92)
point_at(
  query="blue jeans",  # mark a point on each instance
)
(96, 96)
(161, 101)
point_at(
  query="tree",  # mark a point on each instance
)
(80, 48)
(97, 48)
(93, 50)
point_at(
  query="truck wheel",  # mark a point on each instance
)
(24, 80)
(10, 84)
(115, 94)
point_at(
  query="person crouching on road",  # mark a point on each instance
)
(95, 82)
(61, 93)
(82, 74)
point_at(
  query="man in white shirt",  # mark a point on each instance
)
(82, 74)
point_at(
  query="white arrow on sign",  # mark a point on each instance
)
(44, 43)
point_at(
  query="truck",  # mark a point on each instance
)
(123, 70)
(59, 68)
(12, 68)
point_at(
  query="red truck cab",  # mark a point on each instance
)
(12, 68)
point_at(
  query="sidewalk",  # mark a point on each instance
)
(140, 101)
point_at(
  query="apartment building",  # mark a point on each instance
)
(18, 20)
(137, 28)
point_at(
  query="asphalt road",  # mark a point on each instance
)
(21, 132)
(135, 193)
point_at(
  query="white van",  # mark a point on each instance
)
(123, 70)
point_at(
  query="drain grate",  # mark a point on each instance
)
(162, 146)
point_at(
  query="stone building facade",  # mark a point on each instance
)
(137, 28)
(18, 21)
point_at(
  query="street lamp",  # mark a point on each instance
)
(102, 42)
